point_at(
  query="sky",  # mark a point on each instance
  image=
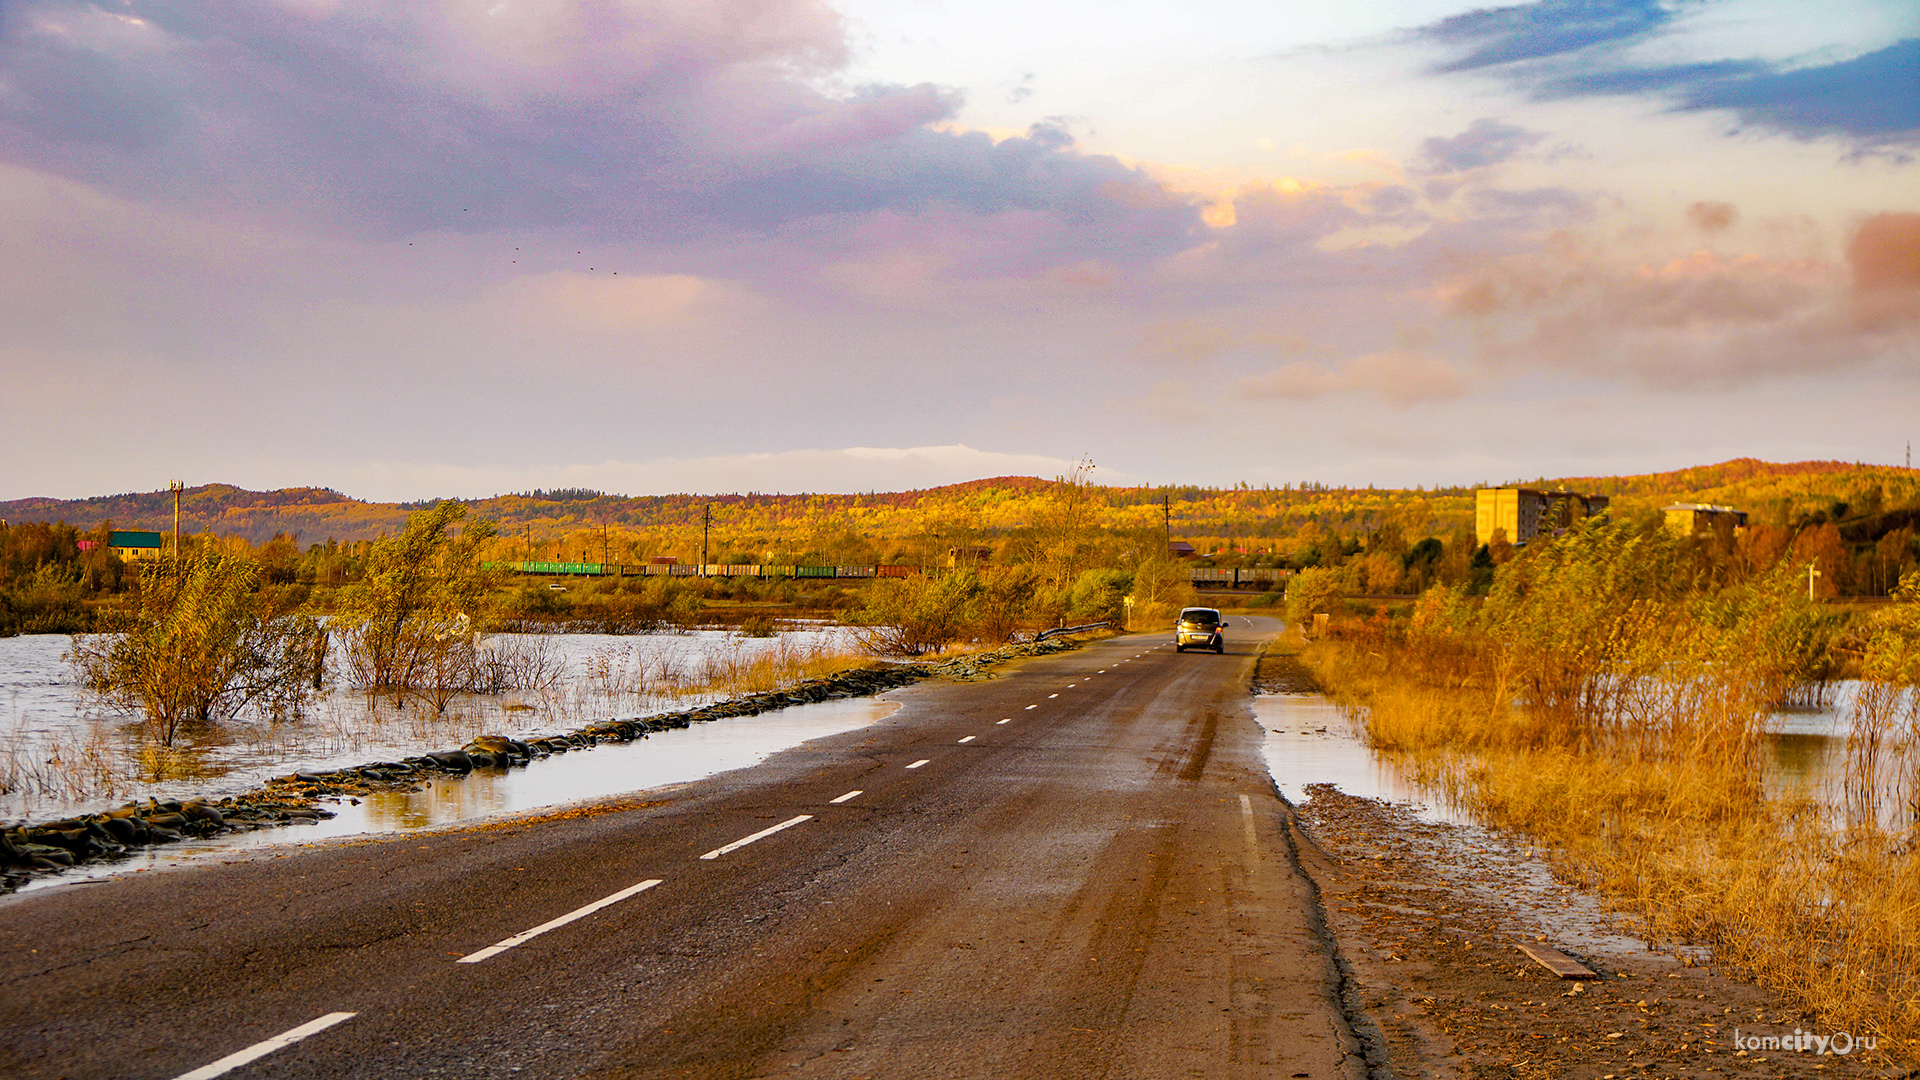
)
(424, 248)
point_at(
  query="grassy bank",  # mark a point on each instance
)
(1610, 706)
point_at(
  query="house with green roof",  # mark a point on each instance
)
(133, 545)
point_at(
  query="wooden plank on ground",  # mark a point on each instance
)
(1557, 962)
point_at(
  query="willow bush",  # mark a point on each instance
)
(203, 643)
(412, 626)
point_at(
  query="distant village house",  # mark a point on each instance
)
(1692, 519)
(133, 546)
(1520, 514)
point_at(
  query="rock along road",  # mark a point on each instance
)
(1077, 869)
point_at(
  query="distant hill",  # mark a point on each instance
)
(994, 505)
(1767, 490)
(317, 514)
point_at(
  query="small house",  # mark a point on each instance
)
(134, 546)
(1693, 519)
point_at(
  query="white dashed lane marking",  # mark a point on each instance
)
(919, 763)
(856, 792)
(1050, 697)
(554, 924)
(1033, 706)
(968, 739)
(761, 835)
(262, 1049)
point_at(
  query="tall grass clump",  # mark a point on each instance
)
(643, 672)
(1611, 705)
(932, 613)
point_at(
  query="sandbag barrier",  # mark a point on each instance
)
(29, 849)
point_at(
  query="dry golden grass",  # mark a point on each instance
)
(1670, 822)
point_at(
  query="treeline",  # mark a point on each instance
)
(1867, 561)
(47, 579)
(1859, 526)
(1251, 521)
(56, 578)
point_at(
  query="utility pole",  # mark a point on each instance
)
(1813, 571)
(706, 530)
(606, 551)
(175, 486)
(1166, 512)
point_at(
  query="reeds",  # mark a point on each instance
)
(1617, 717)
(663, 673)
(62, 768)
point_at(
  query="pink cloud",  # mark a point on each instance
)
(1705, 318)
(1399, 378)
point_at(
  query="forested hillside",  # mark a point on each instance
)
(1857, 522)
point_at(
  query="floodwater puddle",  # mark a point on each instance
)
(659, 760)
(64, 752)
(1310, 741)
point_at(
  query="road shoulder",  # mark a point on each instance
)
(1428, 916)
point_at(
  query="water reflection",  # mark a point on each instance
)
(670, 757)
(1802, 761)
(1309, 741)
(62, 752)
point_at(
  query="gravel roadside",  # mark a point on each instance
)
(1429, 916)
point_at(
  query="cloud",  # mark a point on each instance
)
(1585, 48)
(1192, 339)
(1712, 217)
(878, 116)
(1284, 219)
(1400, 378)
(1875, 96)
(664, 121)
(1702, 320)
(608, 303)
(1885, 252)
(1489, 37)
(1884, 256)
(1533, 207)
(1485, 142)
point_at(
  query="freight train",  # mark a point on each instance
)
(1215, 577)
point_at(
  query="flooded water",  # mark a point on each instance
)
(658, 761)
(62, 751)
(1310, 741)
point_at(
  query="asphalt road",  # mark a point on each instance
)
(1077, 869)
